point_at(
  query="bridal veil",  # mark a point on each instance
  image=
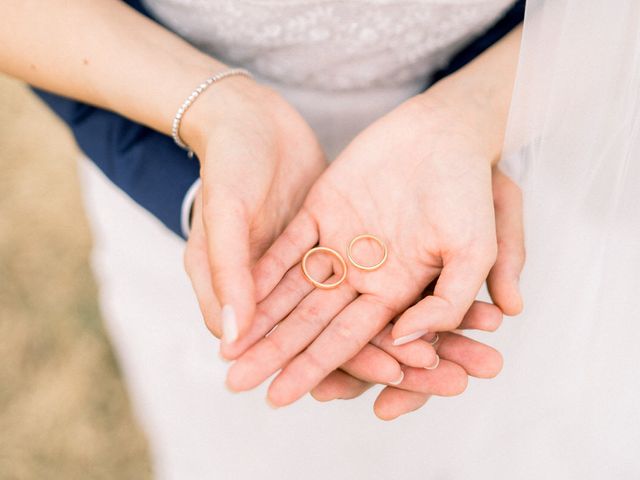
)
(573, 144)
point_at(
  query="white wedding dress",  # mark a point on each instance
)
(342, 64)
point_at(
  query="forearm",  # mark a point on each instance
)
(104, 53)
(482, 91)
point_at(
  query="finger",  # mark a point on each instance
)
(345, 336)
(293, 334)
(285, 297)
(477, 359)
(419, 353)
(288, 249)
(229, 257)
(504, 277)
(393, 402)
(196, 264)
(482, 316)
(339, 385)
(448, 380)
(472, 357)
(455, 291)
(373, 365)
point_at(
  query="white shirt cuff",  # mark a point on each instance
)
(187, 204)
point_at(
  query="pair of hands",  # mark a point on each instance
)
(421, 178)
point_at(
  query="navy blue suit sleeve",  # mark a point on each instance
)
(146, 164)
(153, 171)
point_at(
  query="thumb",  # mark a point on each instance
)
(228, 244)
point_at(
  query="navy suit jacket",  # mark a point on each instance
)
(156, 173)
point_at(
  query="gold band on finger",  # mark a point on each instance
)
(367, 236)
(325, 286)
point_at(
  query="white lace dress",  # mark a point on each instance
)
(342, 63)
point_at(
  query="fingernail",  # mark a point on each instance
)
(399, 381)
(409, 338)
(432, 338)
(229, 324)
(435, 364)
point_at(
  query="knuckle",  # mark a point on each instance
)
(277, 349)
(271, 264)
(311, 313)
(219, 278)
(316, 363)
(346, 337)
(511, 252)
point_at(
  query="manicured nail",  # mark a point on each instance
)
(409, 338)
(229, 324)
(399, 381)
(435, 364)
(432, 338)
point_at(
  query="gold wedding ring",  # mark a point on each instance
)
(325, 286)
(367, 236)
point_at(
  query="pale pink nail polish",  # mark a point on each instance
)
(229, 324)
(409, 338)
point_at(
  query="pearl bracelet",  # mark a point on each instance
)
(177, 120)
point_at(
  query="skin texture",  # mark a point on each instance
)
(478, 128)
(381, 365)
(256, 164)
(434, 208)
(259, 159)
(476, 359)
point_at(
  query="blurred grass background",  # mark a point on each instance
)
(64, 413)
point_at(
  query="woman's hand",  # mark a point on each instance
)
(419, 178)
(474, 358)
(258, 161)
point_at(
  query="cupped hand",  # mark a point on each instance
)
(420, 179)
(258, 161)
(474, 358)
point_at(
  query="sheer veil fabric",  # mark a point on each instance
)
(573, 144)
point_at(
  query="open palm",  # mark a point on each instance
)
(418, 178)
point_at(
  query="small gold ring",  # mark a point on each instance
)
(325, 286)
(367, 267)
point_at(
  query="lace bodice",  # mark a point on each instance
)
(331, 44)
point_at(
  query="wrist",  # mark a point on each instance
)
(215, 105)
(481, 92)
(480, 108)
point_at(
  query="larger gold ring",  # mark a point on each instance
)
(325, 286)
(367, 236)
